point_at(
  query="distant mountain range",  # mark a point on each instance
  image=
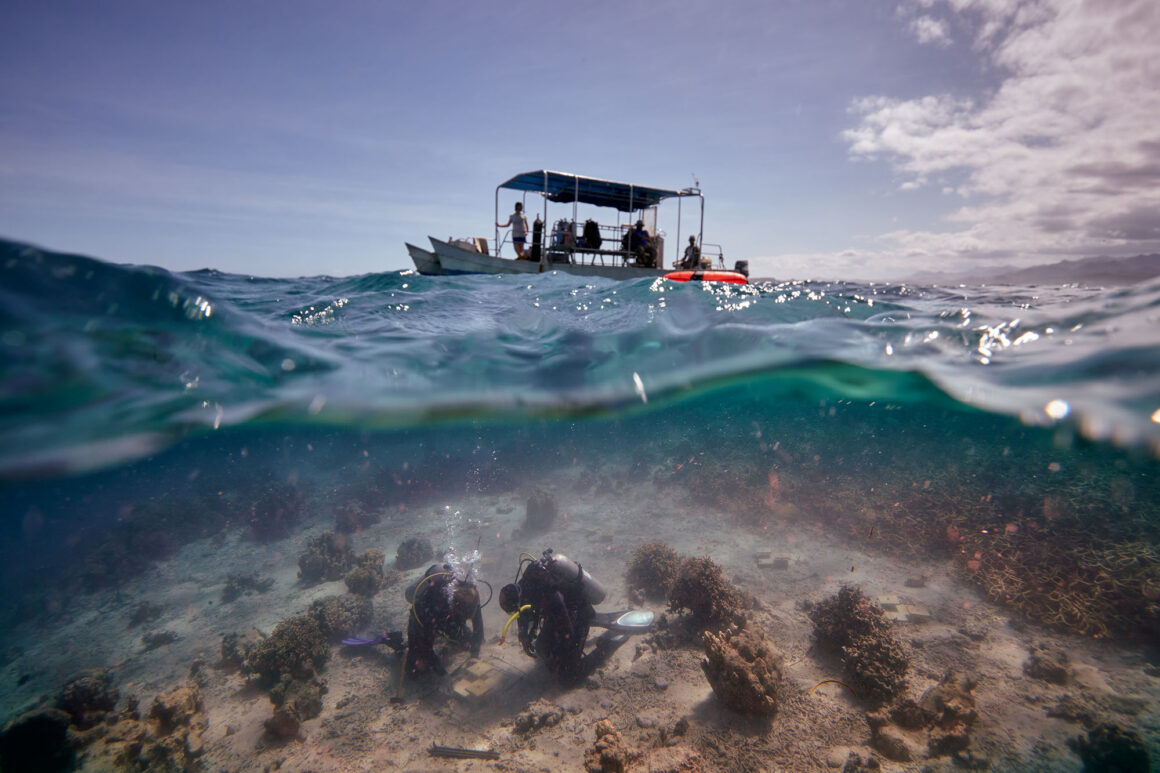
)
(1084, 271)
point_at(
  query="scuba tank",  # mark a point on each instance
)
(566, 570)
(537, 238)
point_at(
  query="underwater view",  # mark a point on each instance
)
(393, 521)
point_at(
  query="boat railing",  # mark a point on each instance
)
(712, 251)
(471, 244)
(567, 243)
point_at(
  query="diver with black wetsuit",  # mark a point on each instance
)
(441, 604)
(553, 599)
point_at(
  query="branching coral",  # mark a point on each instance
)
(852, 627)
(711, 600)
(653, 570)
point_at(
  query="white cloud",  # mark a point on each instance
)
(930, 30)
(1063, 158)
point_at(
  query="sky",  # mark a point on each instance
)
(833, 139)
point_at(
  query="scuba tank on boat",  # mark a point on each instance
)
(537, 238)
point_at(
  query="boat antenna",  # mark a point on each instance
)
(696, 182)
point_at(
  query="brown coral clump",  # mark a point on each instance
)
(652, 571)
(295, 701)
(366, 578)
(88, 698)
(540, 513)
(854, 628)
(327, 557)
(353, 516)
(296, 647)
(340, 616)
(711, 600)
(744, 671)
(413, 552)
(169, 738)
(610, 754)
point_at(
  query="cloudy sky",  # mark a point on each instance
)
(832, 138)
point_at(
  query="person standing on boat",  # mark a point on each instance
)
(519, 225)
(692, 254)
(641, 243)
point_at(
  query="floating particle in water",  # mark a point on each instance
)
(638, 385)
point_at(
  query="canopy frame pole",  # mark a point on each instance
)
(495, 240)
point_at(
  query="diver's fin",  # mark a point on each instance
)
(625, 621)
(394, 640)
(355, 642)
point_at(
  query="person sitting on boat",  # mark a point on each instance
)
(640, 243)
(519, 225)
(692, 259)
(553, 600)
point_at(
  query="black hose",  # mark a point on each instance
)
(490, 593)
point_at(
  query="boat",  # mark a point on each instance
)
(588, 246)
(426, 262)
(731, 277)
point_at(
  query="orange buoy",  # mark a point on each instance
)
(733, 277)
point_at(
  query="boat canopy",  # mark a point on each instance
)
(564, 187)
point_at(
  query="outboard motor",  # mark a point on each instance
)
(742, 267)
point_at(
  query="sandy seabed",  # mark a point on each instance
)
(657, 699)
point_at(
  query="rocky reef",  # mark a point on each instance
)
(936, 725)
(853, 628)
(744, 670)
(238, 585)
(353, 516)
(651, 572)
(88, 698)
(82, 727)
(366, 577)
(295, 701)
(540, 514)
(1109, 747)
(413, 552)
(609, 754)
(327, 557)
(341, 616)
(702, 590)
(1049, 664)
(612, 754)
(296, 648)
(286, 662)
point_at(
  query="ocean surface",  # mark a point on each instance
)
(943, 417)
(107, 368)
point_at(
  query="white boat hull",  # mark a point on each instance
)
(456, 260)
(426, 262)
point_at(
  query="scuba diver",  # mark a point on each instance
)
(553, 599)
(441, 604)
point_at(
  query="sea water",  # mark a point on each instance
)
(1011, 432)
